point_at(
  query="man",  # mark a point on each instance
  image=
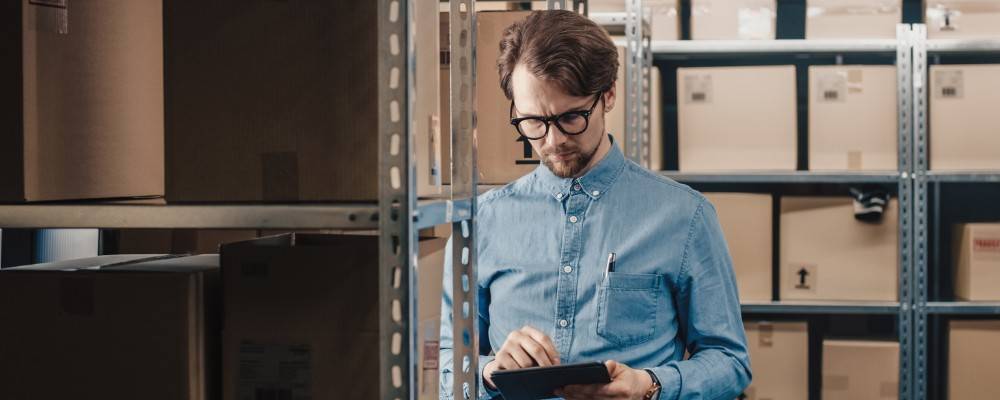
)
(548, 293)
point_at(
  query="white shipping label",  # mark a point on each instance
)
(832, 87)
(698, 89)
(949, 84)
(275, 372)
(755, 23)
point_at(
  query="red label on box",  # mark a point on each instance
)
(989, 245)
(431, 354)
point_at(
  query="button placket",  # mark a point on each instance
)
(566, 291)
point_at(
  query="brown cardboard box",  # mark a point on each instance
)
(853, 19)
(655, 122)
(737, 118)
(91, 328)
(860, 370)
(427, 121)
(962, 19)
(81, 100)
(779, 354)
(503, 155)
(733, 19)
(746, 223)
(852, 118)
(973, 359)
(308, 303)
(279, 102)
(430, 270)
(963, 117)
(976, 251)
(828, 255)
(178, 241)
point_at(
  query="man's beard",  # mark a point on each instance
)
(571, 167)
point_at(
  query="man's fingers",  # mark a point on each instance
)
(544, 341)
(523, 359)
(534, 349)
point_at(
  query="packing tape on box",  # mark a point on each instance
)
(835, 382)
(766, 336)
(279, 176)
(76, 295)
(49, 16)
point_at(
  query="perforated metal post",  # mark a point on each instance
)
(636, 81)
(919, 151)
(647, 90)
(905, 123)
(397, 199)
(465, 335)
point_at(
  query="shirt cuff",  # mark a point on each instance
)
(670, 382)
(484, 391)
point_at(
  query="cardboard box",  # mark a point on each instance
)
(779, 353)
(737, 118)
(853, 19)
(962, 19)
(746, 221)
(826, 254)
(973, 359)
(733, 19)
(860, 370)
(976, 252)
(178, 241)
(852, 118)
(503, 155)
(322, 291)
(94, 327)
(273, 104)
(430, 271)
(963, 117)
(81, 100)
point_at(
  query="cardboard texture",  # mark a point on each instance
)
(655, 122)
(82, 101)
(853, 19)
(322, 291)
(826, 254)
(272, 104)
(973, 359)
(179, 241)
(779, 353)
(737, 118)
(962, 19)
(427, 137)
(860, 370)
(503, 155)
(963, 117)
(746, 223)
(852, 118)
(976, 254)
(430, 271)
(733, 19)
(92, 328)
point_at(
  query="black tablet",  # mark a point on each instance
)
(541, 382)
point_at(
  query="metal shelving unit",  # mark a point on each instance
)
(923, 178)
(902, 178)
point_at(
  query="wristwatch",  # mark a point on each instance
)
(653, 391)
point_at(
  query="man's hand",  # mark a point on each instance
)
(526, 347)
(626, 384)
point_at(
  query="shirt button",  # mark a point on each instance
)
(567, 269)
(596, 193)
(563, 323)
(573, 219)
(559, 196)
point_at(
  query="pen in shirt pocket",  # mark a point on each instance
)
(611, 265)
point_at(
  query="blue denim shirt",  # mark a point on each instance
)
(543, 245)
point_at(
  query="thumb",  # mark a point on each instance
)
(615, 368)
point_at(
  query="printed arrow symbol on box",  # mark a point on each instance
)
(802, 276)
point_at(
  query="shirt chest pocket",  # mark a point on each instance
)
(627, 307)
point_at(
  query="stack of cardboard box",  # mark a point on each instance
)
(854, 369)
(779, 355)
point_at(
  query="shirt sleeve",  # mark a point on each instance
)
(446, 355)
(710, 319)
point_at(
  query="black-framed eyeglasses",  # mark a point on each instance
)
(570, 123)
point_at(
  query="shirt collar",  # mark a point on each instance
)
(594, 183)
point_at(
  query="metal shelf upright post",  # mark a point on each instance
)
(638, 63)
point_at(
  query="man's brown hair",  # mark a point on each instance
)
(559, 46)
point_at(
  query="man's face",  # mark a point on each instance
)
(565, 155)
